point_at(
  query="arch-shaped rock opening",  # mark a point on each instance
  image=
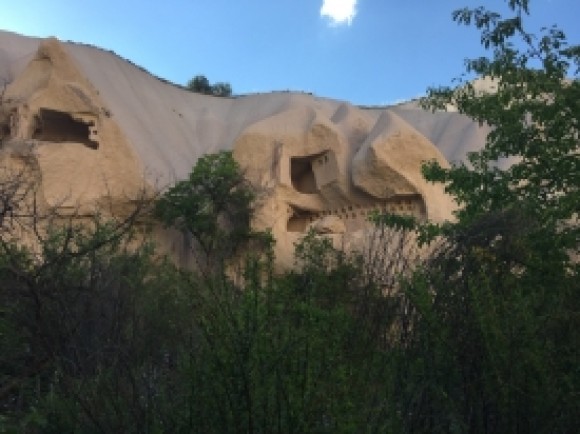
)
(300, 219)
(61, 127)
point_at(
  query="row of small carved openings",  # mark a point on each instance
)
(358, 211)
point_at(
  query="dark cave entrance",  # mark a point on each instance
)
(302, 175)
(60, 127)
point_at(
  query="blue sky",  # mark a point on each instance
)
(371, 52)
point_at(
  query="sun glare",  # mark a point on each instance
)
(339, 11)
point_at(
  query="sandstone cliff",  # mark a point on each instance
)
(98, 127)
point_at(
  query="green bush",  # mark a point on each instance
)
(200, 84)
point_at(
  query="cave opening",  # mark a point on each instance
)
(60, 127)
(302, 175)
(300, 220)
(4, 131)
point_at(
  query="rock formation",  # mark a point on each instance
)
(99, 128)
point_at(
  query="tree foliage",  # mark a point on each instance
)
(491, 346)
(80, 323)
(99, 334)
(531, 157)
(214, 205)
(221, 89)
(287, 353)
(200, 84)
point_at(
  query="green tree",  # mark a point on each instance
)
(531, 156)
(489, 345)
(200, 84)
(91, 320)
(222, 89)
(88, 332)
(214, 205)
(290, 353)
(488, 342)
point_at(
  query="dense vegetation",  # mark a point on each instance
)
(100, 335)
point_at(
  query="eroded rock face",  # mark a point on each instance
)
(330, 174)
(54, 113)
(99, 128)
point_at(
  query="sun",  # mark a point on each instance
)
(339, 11)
